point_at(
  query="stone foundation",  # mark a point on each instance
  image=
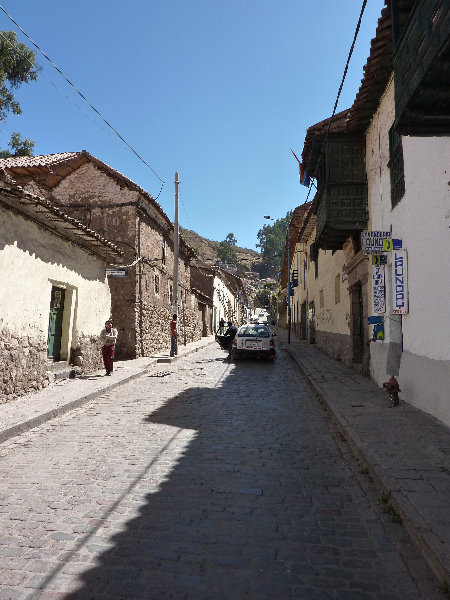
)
(336, 345)
(87, 355)
(23, 365)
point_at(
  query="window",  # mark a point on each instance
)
(170, 293)
(321, 299)
(156, 284)
(337, 288)
(163, 251)
(396, 166)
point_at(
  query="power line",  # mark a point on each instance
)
(358, 25)
(84, 97)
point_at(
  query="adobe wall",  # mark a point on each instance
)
(142, 301)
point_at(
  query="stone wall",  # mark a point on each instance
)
(87, 355)
(23, 365)
(336, 345)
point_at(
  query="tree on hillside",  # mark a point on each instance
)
(17, 66)
(272, 240)
(226, 252)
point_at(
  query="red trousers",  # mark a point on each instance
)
(108, 355)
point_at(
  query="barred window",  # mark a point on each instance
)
(156, 284)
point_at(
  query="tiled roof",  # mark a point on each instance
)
(54, 219)
(377, 71)
(57, 166)
(36, 161)
(300, 214)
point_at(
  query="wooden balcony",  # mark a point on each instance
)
(342, 194)
(422, 70)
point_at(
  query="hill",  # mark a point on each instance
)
(207, 249)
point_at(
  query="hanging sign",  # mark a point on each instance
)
(116, 272)
(372, 241)
(379, 302)
(400, 282)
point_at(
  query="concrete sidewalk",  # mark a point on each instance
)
(406, 451)
(32, 410)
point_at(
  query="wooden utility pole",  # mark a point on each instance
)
(175, 250)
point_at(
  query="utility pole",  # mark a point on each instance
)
(175, 250)
(289, 284)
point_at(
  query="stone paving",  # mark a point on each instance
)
(214, 481)
(405, 450)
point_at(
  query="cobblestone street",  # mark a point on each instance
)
(199, 480)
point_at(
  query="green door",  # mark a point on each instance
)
(55, 323)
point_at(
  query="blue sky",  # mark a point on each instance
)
(218, 91)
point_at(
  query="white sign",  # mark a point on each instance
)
(372, 241)
(379, 302)
(400, 282)
(116, 272)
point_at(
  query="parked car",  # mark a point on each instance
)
(254, 341)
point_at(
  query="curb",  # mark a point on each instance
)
(422, 536)
(15, 430)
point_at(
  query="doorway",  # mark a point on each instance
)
(357, 323)
(312, 323)
(55, 323)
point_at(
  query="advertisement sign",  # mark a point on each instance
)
(389, 245)
(379, 303)
(400, 282)
(372, 241)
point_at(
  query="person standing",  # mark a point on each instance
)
(231, 333)
(108, 337)
(173, 336)
(221, 326)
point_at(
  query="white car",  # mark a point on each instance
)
(253, 341)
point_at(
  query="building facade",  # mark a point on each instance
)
(54, 297)
(117, 208)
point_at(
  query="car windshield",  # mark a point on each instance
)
(255, 331)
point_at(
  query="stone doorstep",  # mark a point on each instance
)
(60, 370)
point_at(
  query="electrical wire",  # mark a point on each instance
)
(358, 25)
(84, 97)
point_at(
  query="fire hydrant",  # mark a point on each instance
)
(392, 389)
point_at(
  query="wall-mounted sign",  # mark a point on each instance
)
(400, 282)
(392, 244)
(379, 302)
(372, 241)
(379, 259)
(116, 272)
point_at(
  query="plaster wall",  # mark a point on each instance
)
(421, 219)
(32, 260)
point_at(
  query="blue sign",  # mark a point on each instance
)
(375, 320)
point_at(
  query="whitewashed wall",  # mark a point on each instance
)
(421, 220)
(31, 261)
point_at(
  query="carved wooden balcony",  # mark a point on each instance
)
(422, 70)
(342, 192)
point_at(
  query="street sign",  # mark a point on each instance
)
(116, 272)
(392, 244)
(400, 282)
(378, 289)
(372, 241)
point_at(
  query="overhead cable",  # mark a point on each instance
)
(358, 25)
(83, 97)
